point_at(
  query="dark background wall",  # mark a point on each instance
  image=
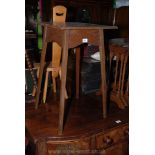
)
(93, 11)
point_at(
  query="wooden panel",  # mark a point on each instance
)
(88, 145)
(122, 17)
(101, 12)
(68, 147)
(77, 38)
(99, 9)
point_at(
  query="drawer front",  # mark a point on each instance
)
(112, 137)
(68, 148)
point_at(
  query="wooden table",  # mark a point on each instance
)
(70, 35)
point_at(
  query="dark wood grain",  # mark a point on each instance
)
(87, 109)
(85, 128)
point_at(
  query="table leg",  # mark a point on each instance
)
(123, 80)
(103, 73)
(63, 82)
(42, 63)
(120, 74)
(77, 71)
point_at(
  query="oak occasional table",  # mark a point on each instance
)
(70, 35)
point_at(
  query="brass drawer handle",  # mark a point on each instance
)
(108, 140)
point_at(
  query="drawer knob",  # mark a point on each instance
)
(108, 140)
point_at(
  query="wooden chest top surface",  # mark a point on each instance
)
(84, 118)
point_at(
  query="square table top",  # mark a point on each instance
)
(77, 25)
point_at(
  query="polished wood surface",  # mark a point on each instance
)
(85, 129)
(77, 25)
(69, 35)
(82, 114)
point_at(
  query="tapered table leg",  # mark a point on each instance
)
(63, 83)
(103, 73)
(42, 63)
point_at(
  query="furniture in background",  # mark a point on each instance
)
(90, 72)
(122, 21)
(119, 72)
(90, 75)
(59, 16)
(30, 80)
(37, 68)
(69, 35)
(30, 55)
(100, 12)
(30, 45)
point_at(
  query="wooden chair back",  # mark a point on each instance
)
(59, 16)
(119, 74)
(59, 13)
